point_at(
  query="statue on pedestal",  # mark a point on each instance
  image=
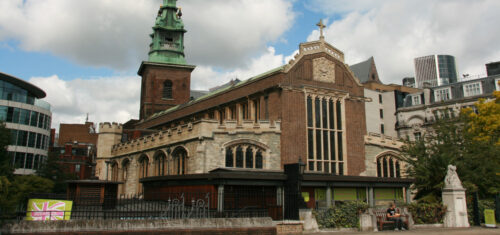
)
(454, 200)
(451, 180)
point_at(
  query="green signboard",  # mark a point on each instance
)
(305, 195)
(320, 194)
(489, 218)
(342, 194)
(388, 193)
(45, 209)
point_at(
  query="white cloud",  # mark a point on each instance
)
(115, 34)
(107, 99)
(228, 33)
(204, 77)
(116, 99)
(395, 32)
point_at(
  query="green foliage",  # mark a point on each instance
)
(461, 141)
(344, 215)
(427, 213)
(56, 172)
(482, 204)
(5, 166)
(17, 192)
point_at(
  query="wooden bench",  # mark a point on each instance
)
(382, 218)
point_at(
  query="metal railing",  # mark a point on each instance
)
(154, 206)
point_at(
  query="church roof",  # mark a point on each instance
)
(218, 91)
(362, 70)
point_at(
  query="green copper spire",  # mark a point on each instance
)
(168, 35)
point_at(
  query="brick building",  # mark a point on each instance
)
(76, 148)
(240, 136)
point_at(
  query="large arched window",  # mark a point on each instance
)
(179, 165)
(161, 164)
(388, 166)
(143, 166)
(244, 156)
(167, 89)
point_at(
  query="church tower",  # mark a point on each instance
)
(165, 76)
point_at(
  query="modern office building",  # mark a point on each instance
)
(28, 118)
(409, 82)
(435, 70)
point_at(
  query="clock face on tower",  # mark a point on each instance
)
(323, 70)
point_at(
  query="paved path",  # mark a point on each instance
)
(434, 231)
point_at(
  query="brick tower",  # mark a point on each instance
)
(166, 78)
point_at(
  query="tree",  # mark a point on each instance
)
(53, 169)
(470, 141)
(18, 191)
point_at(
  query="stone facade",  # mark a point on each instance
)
(205, 142)
(380, 146)
(421, 109)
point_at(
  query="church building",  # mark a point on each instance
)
(240, 137)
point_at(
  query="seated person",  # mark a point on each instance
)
(396, 217)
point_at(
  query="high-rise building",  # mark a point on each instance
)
(435, 70)
(493, 68)
(28, 118)
(409, 82)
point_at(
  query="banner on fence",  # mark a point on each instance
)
(45, 209)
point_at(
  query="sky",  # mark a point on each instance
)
(85, 54)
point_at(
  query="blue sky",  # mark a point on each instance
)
(85, 54)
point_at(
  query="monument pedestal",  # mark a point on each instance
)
(456, 208)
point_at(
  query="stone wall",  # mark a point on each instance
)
(231, 226)
(204, 142)
(377, 145)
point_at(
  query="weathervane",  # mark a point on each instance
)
(321, 26)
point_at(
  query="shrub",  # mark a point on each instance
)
(343, 215)
(483, 204)
(427, 213)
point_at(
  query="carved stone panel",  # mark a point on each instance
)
(323, 70)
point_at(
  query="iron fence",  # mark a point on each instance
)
(157, 206)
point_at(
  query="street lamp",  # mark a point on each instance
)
(302, 166)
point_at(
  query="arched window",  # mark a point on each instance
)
(125, 166)
(160, 164)
(167, 89)
(229, 157)
(244, 156)
(143, 166)
(179, 156)
(114, 171)
(249, 160)
(239, 157)
(388, 166)
(258, 160)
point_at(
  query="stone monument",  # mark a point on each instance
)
(454, 200)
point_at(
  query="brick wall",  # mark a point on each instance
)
(68, 133)
(153, 77)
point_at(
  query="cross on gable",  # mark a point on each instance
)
(321, 26)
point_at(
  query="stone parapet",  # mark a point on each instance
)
(194, 130)
(106, 127)
(383, 140)
(262, 225)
